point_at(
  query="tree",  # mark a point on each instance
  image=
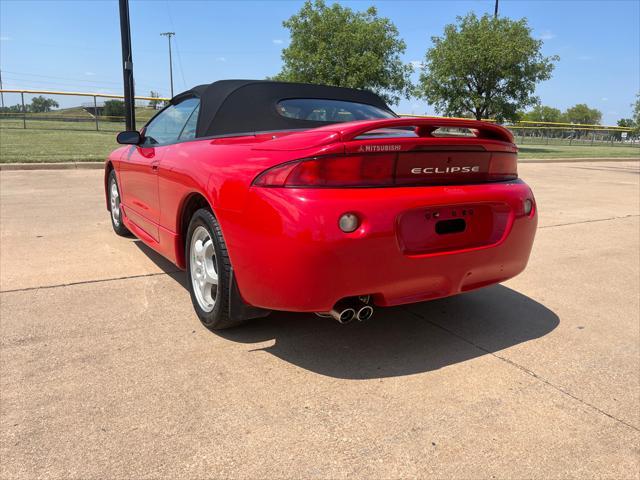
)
(337, 46)
(154, 103)
(42, 104)
(484, 67)
(581, 113)
(114, 108)
(636, 110)
(542, 114)
(626, 123)
(12, 109)
(629, 123)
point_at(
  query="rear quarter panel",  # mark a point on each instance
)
(221, 173)
(221, 170)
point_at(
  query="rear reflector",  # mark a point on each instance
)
(393, 169)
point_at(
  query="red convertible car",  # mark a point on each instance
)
(310, 198)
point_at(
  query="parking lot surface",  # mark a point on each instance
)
(106, 371)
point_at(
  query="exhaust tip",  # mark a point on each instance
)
(347, 315)
(341, 315)
(365, 313)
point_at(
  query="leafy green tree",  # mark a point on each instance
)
(154, 103)
(114, 108)
(12, 109)
(484, 67)
(626, 122)
(541, 113)
(581, 113)
(335, 45)
(629, 123)
(41, 104)
(636, 111)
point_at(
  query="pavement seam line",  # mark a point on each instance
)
(525, 370)
(588, 221)
(27, 289)
(177, 271)
(479, 347)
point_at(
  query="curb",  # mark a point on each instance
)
(52, 166)
(579, 160)
(100, 165)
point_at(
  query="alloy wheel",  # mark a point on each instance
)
(204, 276)
(114, 199)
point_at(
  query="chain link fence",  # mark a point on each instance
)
(45, 109)
(570, 134)
(105, 112)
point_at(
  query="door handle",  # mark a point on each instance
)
(154, 166)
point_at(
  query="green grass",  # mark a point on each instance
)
(36, 145)
(85, 125)
(75, 118)
(51, 141)
(578, 151)
(73, 112)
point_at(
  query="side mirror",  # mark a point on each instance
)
(130, 137)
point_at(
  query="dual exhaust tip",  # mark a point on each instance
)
(345, 313)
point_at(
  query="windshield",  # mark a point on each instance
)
(331, 111)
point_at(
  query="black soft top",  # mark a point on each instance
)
(247, 106)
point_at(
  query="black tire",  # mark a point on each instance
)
(116, 220)
(219, 318)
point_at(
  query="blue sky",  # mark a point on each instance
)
(75, 45)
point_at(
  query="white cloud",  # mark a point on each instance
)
(416, 64)
(89, 74)
(585, 57)
(277, 41)
(4, 39)
(221, 59)
(546, 35)
(604, 99)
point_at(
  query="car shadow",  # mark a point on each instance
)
(161, 262)
(402, 340)
(396, 341)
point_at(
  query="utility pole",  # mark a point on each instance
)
(1, 93)
(169, 35)
(127, 66)
(495, 11)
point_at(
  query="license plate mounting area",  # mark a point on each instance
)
(445, 228)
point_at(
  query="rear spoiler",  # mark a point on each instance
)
(424, 127)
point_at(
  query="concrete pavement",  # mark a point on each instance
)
(105, 372)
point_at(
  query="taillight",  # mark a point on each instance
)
(393, 169)
(503, 166)
(347, 171)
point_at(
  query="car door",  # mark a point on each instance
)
(140, 165)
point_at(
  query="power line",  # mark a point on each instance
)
(184, 83)
(61, 78)
(1, 93)
(20, 82)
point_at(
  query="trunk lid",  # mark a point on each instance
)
(397, 152)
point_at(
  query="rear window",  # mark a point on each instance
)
(333, 111)
(410, 132)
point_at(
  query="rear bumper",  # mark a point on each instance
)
(289, 254)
